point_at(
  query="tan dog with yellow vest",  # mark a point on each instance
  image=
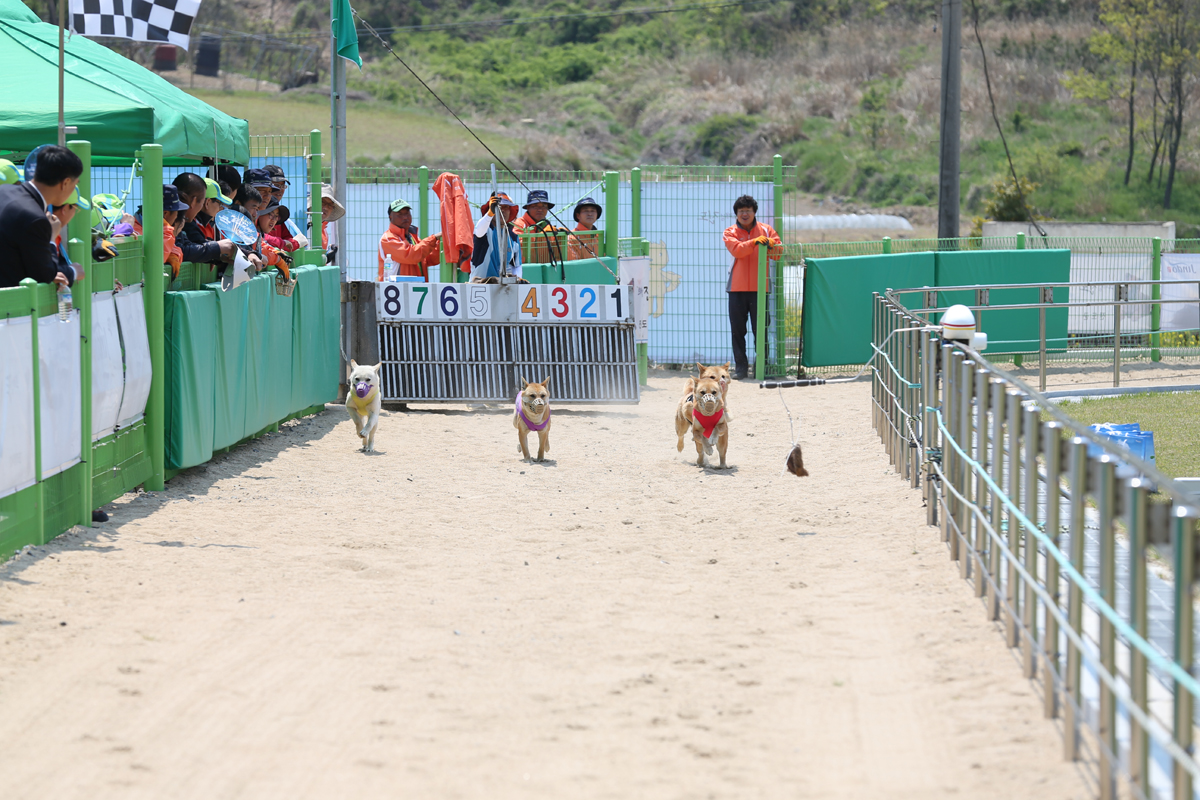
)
(363, 402)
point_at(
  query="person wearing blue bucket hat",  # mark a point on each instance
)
(587, 211)
(537, 206)
(28, 226)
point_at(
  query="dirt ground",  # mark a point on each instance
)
(441, 620)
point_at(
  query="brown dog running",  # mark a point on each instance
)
(721, 373)
(709, 425)
(533, 414)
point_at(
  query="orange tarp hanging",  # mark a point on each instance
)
(458, 228)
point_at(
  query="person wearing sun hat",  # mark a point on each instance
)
(411, 254)
(288, 243)
(587, 211)
(27, 225)
(331, 211)
(537, 206)
(485, 257)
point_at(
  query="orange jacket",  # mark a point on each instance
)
(743, 276)
(458, 228)
(584, 246)
(324, 235)
(526, 221)
(413, 255)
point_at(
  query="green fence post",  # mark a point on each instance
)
(1020, 240)
(777, 196)
(760, 330)
(777, 279)
(613, 218)
(315, 218)
(152, 244)
(635, 187)
(1155, 294)
(80, 247)
(887, 245)
(39, 493)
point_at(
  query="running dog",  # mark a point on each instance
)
(363, 402)
(709, 424)
(533, 414)
(721, 373)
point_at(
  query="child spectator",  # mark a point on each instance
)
(197, 249)
(279, 184)
(172, 207)
(271, 255)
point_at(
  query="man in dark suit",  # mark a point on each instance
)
(27, 225)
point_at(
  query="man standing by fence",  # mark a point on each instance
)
(743, 241)
(27, 226)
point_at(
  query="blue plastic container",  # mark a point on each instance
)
(1130, 436)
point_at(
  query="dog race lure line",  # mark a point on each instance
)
(533, 426)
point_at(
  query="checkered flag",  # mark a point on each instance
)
(167, 21)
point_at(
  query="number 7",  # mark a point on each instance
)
(424, 292)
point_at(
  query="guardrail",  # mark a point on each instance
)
(1055, 527)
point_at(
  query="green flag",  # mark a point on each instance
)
(344, 33)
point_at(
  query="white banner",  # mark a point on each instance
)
(131, 314)
(61, 407)
(635, 272)
(1181, 316)
(108, 368)
(16, 406)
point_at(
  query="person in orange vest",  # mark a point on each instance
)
(172, 208)
(412, 254)
(587, 211)
(742, 241)
(537, 206)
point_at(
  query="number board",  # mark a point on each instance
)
(525, 302)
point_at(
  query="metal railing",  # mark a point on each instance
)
(1055, 528)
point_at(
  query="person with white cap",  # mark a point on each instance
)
(28, 226)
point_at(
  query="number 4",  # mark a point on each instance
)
(530, 304)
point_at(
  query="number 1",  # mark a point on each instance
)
(616, 295)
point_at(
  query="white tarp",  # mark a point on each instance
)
(131, 313)
(16, 405)
(1181, 316)
(108, 368)
(635, 272)
(58, 371)
(1108, 267)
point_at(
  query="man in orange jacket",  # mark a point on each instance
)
(743, 241)
(411, 254)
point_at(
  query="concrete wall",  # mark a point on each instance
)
(1165, 230)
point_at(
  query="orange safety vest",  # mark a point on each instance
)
(743, 276)
(412, 254)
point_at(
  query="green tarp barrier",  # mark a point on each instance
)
(836, 320)
(584, 270)
(241, 361)
(837, 297)
(1010, 331)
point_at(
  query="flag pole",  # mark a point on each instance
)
(337, 129)
(62, 24)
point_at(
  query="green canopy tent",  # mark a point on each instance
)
(114, 103)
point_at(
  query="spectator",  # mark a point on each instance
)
(271, 255)
(411, 254)
(272, 237)
(196, 248)
(27, 225)
(9, 172)
(215, 200)
(66, 213)
(279, 184)
(230, 177)
(537, 206)
(587, 211)
(248, 201)
(486, 265)
(743, 241)
(173, 207)
(260, 181)
(331, 211)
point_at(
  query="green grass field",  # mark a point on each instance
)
(377, 132)
(1172, 417)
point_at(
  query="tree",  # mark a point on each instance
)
(1178, 26)
(1127, 23)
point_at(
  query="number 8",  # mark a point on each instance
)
(391, 300)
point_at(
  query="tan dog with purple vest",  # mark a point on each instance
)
(533, 414)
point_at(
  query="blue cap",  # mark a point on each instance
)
(171, 201)
(257, 177)
(538, 196)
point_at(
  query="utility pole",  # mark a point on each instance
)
(337, 98)
(951, 118)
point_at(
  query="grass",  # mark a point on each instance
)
(377, 132)
(1171, 417)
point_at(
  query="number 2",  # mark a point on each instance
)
(585, 313)
(561, 295)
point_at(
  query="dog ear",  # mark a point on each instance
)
(353, 365)
(377, 367)
(699, 368)
(524, 383)
(727, 366)
(546, 382)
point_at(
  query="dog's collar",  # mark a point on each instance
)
(708, 422)
(533, 426)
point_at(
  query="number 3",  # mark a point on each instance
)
(560, 294)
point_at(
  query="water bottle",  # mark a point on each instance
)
(389, 267)
(64, 303)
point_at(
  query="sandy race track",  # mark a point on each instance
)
(442, 620)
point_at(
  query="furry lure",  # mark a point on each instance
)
(708, 421)
(533, 426)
